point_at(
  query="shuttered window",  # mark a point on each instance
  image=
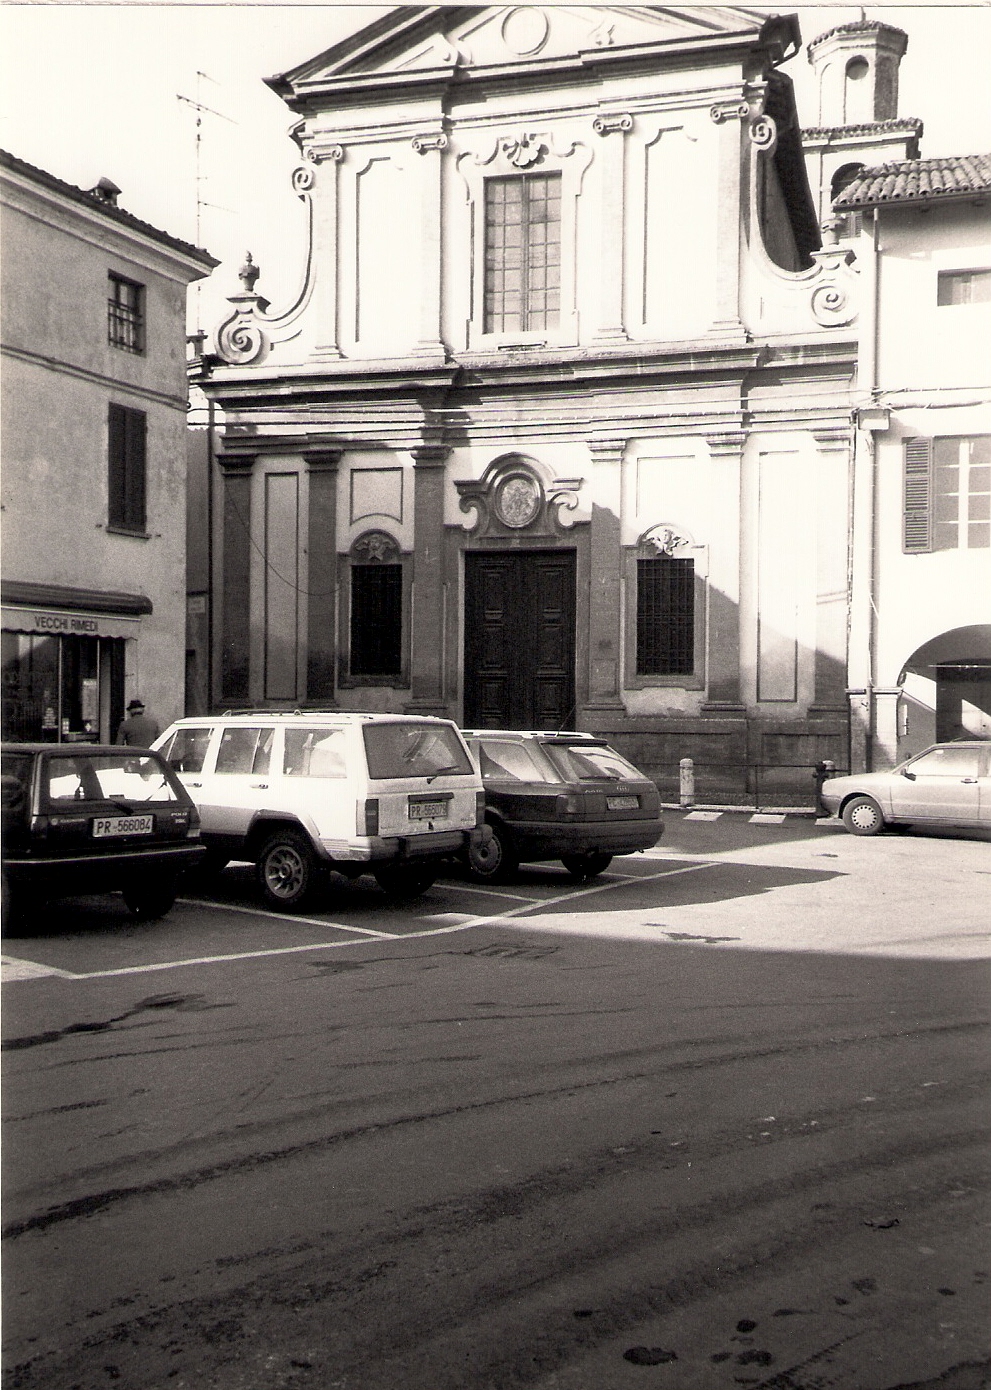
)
(947, 494)
(126, 482)
(665, 616)
(917, 513)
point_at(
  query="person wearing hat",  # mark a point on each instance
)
(138, 730)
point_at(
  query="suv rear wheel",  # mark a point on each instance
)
(287, 870)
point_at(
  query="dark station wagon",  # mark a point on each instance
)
(564, 796)
(80, 819)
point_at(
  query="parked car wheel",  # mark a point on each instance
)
(404, 881)
(146, 901)
(287, 870)
(862, 816)
(585, 866)
(496, 859)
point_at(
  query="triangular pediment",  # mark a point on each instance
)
(418, 40)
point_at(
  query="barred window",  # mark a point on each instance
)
(522, 253)
(665, 616)
(126, 314)
(376, 619)
(126, 484)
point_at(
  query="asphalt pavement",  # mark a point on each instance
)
(716, 1119)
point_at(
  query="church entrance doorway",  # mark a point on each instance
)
(519, 639)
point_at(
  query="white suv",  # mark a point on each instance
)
(299, 794)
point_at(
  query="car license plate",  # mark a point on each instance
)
(428, 810)
(622, 803)
(106, 827)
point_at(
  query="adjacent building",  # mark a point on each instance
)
(920, 641)
(94, 461)
(559, 429)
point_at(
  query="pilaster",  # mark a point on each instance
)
(723, 627)
(430, 146)
(321, 545)
(235, 598)
(833, 484)
(728, 117)
(427, 618)
(605, 645)
(326, 257)
(613, 128)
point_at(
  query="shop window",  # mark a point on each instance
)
(947, 494)
(127, 448)
(665, 639)
(963, 287)
(126, 314)
(522, 253)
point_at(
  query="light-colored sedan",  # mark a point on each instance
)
(948, 784)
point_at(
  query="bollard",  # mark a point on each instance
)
(687, 784)
(822, 770)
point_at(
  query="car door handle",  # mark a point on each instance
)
(194, 784)
(969, 781)
(262, 786)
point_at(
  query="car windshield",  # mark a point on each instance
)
(414, 750)
(502, 758)
(590, 763)
(108, 777)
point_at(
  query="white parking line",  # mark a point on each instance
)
(616, 881)
(284, 917)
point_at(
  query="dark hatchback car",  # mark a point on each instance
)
(564, 796)
(81, 819)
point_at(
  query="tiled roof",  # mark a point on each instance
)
(858, 26)
(895, 125)
(918, 181)
(109, 210)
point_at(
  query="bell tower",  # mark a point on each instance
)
(856, 68)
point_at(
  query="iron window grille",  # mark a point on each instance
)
(126, 315)
(376, 619)
(665, 616)
(127, 451)
(522, 253)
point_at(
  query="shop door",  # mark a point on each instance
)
(520, 640)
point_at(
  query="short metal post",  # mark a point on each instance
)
(687, 782)
(823, 769)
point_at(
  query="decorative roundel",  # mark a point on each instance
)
(303, 178)
(831, 306)
(524, 31)
(517, 500)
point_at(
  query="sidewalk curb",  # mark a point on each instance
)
(804, 811)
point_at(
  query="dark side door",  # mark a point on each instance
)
(519, 639)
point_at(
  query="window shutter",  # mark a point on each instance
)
(917, 517)
(116, 460)
(136, 430)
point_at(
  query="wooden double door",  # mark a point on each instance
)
(519, 639)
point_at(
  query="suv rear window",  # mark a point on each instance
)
(414, 750)
(581, 763)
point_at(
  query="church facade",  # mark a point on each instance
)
(559, 432)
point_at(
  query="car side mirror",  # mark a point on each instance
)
(909, 775)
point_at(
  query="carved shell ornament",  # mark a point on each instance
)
(517, 500)
(664, 539)
(523, 150)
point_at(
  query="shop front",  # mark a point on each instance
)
(63, 656)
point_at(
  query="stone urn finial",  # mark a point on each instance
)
(249, 273)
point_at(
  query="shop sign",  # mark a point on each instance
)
(57, 623)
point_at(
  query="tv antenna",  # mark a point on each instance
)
(201, 109)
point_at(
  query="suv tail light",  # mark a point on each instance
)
(39, 826)
(368, 819)
(479, 809)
